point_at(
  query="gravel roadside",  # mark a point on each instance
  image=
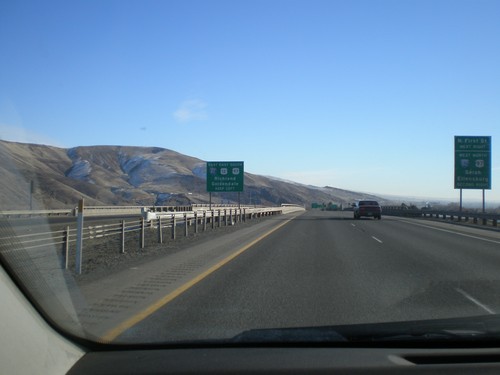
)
(103, 256)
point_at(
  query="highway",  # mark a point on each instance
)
(324, 268)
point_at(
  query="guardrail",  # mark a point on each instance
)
(463, 217)
(108, 210)
(29, 213)
(153, 225)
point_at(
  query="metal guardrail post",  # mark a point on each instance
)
(142, 232)
(66, 248)
(213, 219)
(79, 238)
(204, 221)
(186, 228)
(196, 222)
(123, 237)
(160, 233)
(173, 226)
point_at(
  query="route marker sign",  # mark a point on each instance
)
(225, 176)
(472, 162)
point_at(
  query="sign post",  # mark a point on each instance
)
(225, 176)
(472, 164)
(79, 237)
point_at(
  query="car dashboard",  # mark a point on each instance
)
(31, 345)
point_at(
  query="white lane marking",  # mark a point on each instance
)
(353, 225)
(475, 301)
(376, 239)
(451, 231)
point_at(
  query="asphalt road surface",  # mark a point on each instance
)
(324, 268)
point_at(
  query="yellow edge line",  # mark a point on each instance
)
(122, 327)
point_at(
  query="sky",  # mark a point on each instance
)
(363, 95)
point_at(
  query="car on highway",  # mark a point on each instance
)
(367, 208)
(214, 149)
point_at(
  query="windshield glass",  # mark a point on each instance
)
(186, 171)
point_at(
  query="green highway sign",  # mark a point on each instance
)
(225, 176)
(472, 162)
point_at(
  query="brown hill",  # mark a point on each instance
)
(121, 175)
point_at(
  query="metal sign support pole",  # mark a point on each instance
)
(484, 204)
(460, 200)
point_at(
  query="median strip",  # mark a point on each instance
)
(112, 334)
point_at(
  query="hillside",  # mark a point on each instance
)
(123, 175)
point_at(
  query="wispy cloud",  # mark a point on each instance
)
(191, 110)
(22, 135)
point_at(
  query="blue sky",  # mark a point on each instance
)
(359, 95)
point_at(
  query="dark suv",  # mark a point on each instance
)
(368, 209)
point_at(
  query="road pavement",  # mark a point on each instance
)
(324, 268)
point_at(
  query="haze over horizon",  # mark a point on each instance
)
(360, 95)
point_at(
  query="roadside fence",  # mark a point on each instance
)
(162, 225)
(457, 216)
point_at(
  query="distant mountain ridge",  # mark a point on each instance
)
(127, 175)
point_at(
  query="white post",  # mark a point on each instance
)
(123, 237)
(79, 238)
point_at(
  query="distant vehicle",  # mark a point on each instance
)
(368, 209)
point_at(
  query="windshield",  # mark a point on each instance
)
(193, 171)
